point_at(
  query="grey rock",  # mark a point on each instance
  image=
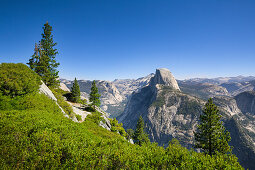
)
(104, 125)
(131, 141)
(45, 90)
(164, 77)
(64, 87)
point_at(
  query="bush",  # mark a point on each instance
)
(17, 79)
(38, 138)
(94, 117)
(78, 117)
(117, 127)
(62, 103)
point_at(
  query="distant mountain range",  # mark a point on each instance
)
(115, 94)
(171, 108)
(220, 80)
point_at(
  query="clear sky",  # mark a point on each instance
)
(108, 39)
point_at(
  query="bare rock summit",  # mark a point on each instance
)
(164, 76)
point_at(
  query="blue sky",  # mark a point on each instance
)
(108, 39)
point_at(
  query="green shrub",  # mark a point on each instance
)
(17, 79)
(82, 101)
(95, 117)
(78, 117)
(62, 103)
(44, 139)
(117, 127)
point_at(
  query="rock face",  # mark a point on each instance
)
(246, 102)
(164, 77)
(228, 104)
(64, 87)
(167, 112)
(45, 90)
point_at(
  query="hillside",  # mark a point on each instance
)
(35, 134)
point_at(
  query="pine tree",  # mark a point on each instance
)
(75, 91)
(140, 136)
(43, 62)
(211, 135)
(94, 95)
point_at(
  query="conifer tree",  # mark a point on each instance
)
(94, 95)
(140, 136)
(211, 135)
(75, 91)
(43, 62)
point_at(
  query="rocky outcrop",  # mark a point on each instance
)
(45, 90)
(105, 123)
(64, 87)
(79, 110)
(164, 77)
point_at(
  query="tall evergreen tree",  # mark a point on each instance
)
(140, 135)
(43, 62)
(75, 91)
(211, 135)
(94, 95)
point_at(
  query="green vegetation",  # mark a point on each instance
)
(43, 61)
(82, 101)
(45, 139)
(130, 133)
(94, 117)
(140, 136)
(78, 117)
(117, 127)
(94, 96)
(17, 80)
(58, 93)
(34, 134)
(189, 106)
(75, 92)
(211, 135)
